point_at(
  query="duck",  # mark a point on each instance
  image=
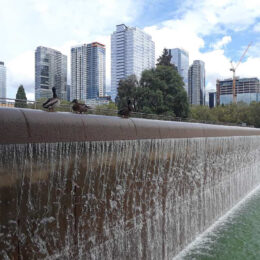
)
(78, 107)
(126, 111)
(53, 102)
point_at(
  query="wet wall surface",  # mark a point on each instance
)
(116, 199)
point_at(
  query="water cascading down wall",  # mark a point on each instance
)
(96, 187)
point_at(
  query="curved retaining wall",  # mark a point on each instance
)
(35, 126)
(96, 187)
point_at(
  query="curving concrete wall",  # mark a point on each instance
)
(96, 187)
(35, 126)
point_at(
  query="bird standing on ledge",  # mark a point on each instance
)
(78, 107)
(53, 102)
(126, 111)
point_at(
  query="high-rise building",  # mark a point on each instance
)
(196, 83)
(50, 71)
(212, 99)
(78, 87)
(96, 70)
(247, 90)
(68, 92)
(132, 51)
(180, 58)
(88, 71)
(2, 82)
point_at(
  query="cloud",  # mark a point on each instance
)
(20, 70)
(171, 35)
(257, 27)
(222, 43)
(83, 18)
(59, 25)
(249, 68)
(199, 21)
(30, 96)
(236, 15)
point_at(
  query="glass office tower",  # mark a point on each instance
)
(180, 58)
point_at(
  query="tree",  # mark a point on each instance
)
(233, 113)
(109, 109)
(160, 91)
(165, 59)
(127, 88)
(20, 99)
(254, 114)
(202, 113)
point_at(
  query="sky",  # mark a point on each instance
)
(213, 31)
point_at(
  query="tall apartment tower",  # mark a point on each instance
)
(196, 83)
(78, 87)
(88, 62)
(2, 81)
(132, 51)
(96, 70)
(180, 58)
(50, 71)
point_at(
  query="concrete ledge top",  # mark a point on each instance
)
(36, 126)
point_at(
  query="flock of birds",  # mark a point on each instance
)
(77, 107)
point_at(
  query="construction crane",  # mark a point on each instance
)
(233, 69)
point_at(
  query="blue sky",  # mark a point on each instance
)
(214, 31)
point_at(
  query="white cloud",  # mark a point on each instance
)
(61, 24)
(203, 19)
(249, 68)
(222, 43)
(257, 27)
(20, 70)
(30, 96)
(82, 19)
(171, 35)
(235, 15)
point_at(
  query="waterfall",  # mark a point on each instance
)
(134, 199)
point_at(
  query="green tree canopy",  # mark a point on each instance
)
(160, 91)
(233, 113)
(254, 114)
(20, 99)
(165, 59)
(127, 88)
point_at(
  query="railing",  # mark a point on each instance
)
(31, 104)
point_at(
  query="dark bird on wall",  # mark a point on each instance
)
(53, 102)
(126, 111)
(78, 107)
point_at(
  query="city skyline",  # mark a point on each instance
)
(211, 31)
